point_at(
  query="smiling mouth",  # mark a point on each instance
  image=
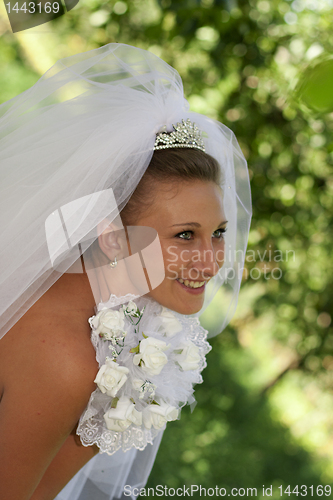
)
(191, 284)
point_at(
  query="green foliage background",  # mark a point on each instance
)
(264, 413)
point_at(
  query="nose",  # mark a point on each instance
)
(207, 263)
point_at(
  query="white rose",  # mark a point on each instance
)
(111, 377)
(130, 308)
(137, 383)
(108, 322)
(151, 356)
(121, 417)
(157, 415)
(189, 358)
(171, 324)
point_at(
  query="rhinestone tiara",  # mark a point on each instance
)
(184, 135)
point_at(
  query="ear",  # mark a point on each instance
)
(112, 239)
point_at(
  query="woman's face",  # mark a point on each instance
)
(190, 222)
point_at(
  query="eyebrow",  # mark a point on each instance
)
(196, 224)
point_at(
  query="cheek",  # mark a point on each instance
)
(172, 256)
(219, 253)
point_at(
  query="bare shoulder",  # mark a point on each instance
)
(47, 372)
(53, 335)
(49, 348)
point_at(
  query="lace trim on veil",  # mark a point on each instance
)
(186, 347)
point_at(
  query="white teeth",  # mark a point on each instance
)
(191, 284)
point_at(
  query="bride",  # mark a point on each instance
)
(122, 214)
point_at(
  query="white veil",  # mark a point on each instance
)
(89, 124)
(85, 129)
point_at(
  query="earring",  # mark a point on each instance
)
(113, 263)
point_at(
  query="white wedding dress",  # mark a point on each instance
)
(126, 458)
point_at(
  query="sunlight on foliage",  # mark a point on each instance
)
(264, 68)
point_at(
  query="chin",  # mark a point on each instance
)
(186, 309)
(182, 305)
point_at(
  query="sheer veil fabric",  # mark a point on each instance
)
(117, 477)
(89, 124)
(73, 148)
